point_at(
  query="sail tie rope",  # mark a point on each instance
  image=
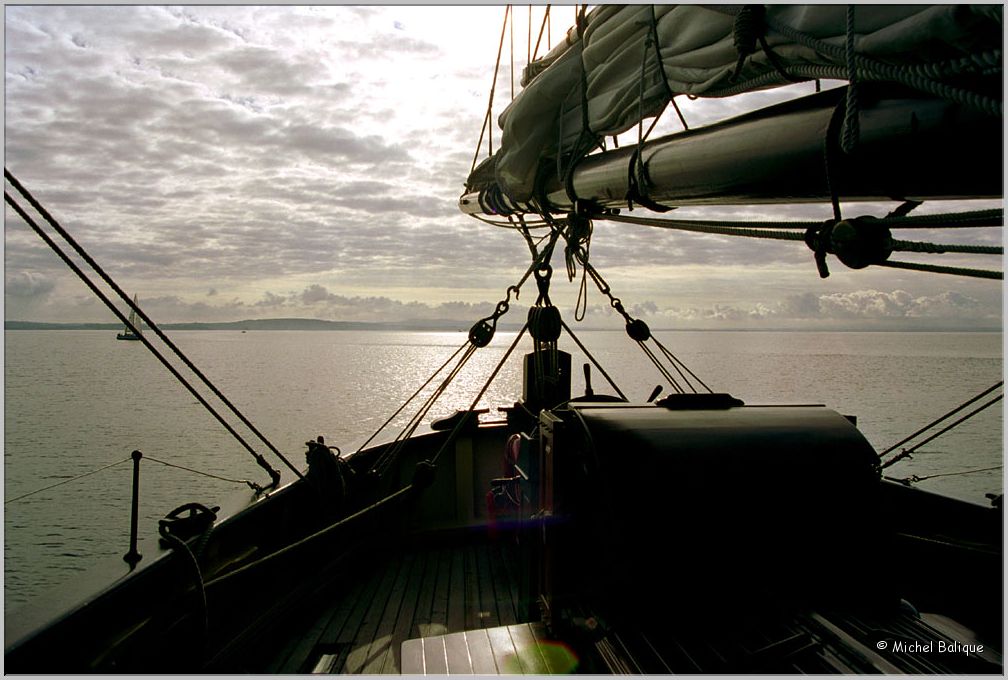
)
(872, 69)
(851, 124)
(30, 221)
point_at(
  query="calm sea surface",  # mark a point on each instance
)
(76, 401)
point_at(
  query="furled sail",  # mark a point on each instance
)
(624, 63)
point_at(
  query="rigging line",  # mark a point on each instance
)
(592, 358)
(679, 366)
(486, 386)
(661, 369)
(542, 27)
(66, 481)
(942, 269)
(311, 537)
(704, 228)
(150, 323)
(488, 119)
(511, 12)
(274, 474)
(933, 423)
(413, 396)
(939, 248)
(677, 361)
(968, 219)
(914, 478)
(906, 452)
(393, 450)
(200, 472)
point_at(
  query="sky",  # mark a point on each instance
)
(238, 162)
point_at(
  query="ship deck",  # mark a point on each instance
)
(457, 607)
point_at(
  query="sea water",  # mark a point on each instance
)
(78, 401)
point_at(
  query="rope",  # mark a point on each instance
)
(913, 479)
(933, 423)
(851, 124)
(251, 484)
(941, 269)
(412, 397)
(274, 474)
(487, 120)
(486, 385)
(871, 69)
(939, 248)
(311, 537)
(906, 452)
(592, 359)
(66, 481)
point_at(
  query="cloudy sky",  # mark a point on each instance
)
(228, 162)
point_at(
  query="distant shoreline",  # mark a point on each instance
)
(440, 325)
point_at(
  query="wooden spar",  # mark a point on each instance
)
(908, 148)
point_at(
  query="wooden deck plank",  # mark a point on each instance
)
(439, 601)
(480, 652)
(457, 654)
(505, 591)
(472, 595)
(388, 663)
(455, 621)
(383, 606)
(400, 603)
(488, 612)
(292, 658)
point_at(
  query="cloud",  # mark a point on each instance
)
(28, 285)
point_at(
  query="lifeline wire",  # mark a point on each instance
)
(65, 481)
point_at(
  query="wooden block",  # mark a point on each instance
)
(412, 657)
(457, 654)
(480, 652)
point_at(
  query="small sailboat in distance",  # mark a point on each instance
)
(128, 333)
